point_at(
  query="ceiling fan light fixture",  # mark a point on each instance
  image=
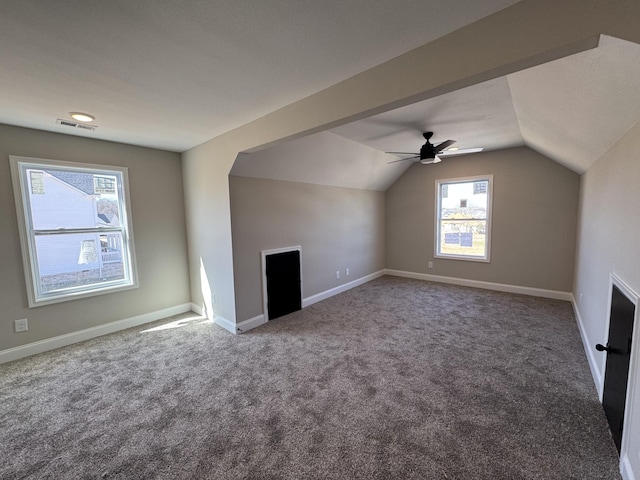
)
(82, 117)
(460, 151)
(429, 161)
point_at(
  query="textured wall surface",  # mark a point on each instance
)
(157, 209)
(609, 226)
(535, 204)
(337, 228)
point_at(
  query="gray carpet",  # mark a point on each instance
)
(396, 379)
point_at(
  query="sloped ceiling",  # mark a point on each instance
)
(477, 116)
(324, 159)
(572, 110)
(172, 75)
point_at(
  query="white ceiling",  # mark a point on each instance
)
(478, 116)
(571, 110)
(172, 75)
(574, 109)
(322, 159)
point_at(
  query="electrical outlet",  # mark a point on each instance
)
(430, 265)
(20, 325)
(347, 272)
(337, 273)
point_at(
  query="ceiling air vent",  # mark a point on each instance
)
(72, 124)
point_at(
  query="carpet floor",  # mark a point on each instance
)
(395, 379)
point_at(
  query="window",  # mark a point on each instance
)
(104, 184)
(75, 229)
(463, 218)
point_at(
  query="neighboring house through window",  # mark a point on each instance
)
(74, 227)
(463, 218)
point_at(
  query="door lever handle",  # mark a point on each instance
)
(602, 348)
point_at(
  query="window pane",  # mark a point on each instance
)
(69, 261)
(68, 199)
(463, 237)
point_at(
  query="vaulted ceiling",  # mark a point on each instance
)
(172, 75)
(572, 110)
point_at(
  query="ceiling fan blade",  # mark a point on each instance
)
(444, 145)
(403, 159)
(403, 153)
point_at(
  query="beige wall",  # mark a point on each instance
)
(526, 34)
(535, 204)
(157, 208)
(336, 227)
(609, 228)
(205, 171)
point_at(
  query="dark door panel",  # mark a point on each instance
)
(284, 293)
(618, 357)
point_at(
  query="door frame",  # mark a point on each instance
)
(633, 361)
(263, 258)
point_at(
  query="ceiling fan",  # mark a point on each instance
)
(428, 152)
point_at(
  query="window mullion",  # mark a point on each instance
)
(63, 231)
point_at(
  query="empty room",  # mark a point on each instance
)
(320, 240)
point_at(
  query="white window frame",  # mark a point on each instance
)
(36, 296)
(437, 246)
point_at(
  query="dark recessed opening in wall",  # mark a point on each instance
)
(283, 282)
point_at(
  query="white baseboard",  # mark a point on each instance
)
(228, 325)
(224, 323)
(593, 363)
(626, 470)
(89, 333)
(241, 327)
(261, 319)
(251, 323)
(340, 288)
(500, 287)
(258, 320)
(197, 309)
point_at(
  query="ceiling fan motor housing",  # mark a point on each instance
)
(427, 151)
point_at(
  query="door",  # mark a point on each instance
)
(283, 283)
(618, 357)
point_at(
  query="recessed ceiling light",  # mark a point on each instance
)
(82, 117)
